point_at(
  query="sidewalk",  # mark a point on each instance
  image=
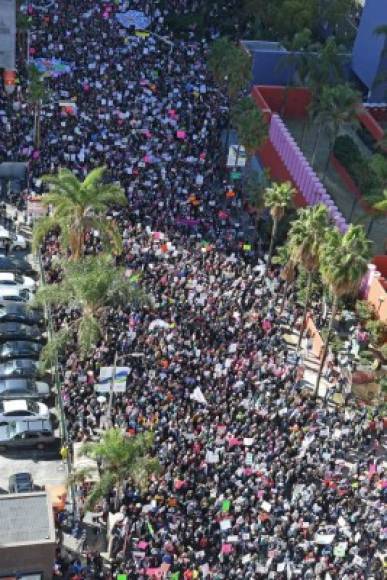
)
(310, 363)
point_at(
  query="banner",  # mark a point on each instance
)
(134, 18)
(106, 377)
(7, 34)
(51, 67)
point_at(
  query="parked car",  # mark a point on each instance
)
(18, 388)
(21, 434)
(16, 312)
(17, 331)
(14, 241)
(20, 409)
(15, 279)
(20, 367)
(20, 483)
(20, 349)
(14, 293)
(18, 265)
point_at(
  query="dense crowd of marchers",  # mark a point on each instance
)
(237, 472)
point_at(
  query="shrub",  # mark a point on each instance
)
(360, 169)
(377, 330)
(365, 311)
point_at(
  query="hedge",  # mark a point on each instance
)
(348, 153)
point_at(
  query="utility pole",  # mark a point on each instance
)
(111, 393)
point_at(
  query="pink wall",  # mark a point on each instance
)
(301, 172)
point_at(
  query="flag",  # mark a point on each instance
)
(198, 396)
(175, 576)
(226, 504)
(150, 529)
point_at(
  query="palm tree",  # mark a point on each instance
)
(294, 61)
(88, 287)
(288, 271)
(250, 125)
(78, 206)
(343, 263)
(36, 93)
(305, 237)
(277, 198)
(335, 107)
(122, 458)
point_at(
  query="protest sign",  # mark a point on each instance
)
(134, 18)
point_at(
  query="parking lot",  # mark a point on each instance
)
(45, 466)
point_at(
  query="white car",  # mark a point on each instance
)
(21, 409)
(13, 279)
(15, 293)
(15, 241)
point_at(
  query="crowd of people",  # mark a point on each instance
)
(258, 480)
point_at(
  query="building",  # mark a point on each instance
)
(27, 537)
(369, 57)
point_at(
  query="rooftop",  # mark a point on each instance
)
(25, 518)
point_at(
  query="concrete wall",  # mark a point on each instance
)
(368, 46)
(27, 558)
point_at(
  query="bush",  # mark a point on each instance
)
(377, 330)
(365, 311)
(360, 169)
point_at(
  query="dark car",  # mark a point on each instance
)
(24, 434)
(17, 388)
(20, 367)
(17, 265)
(20, 349)
(17, 331)
(20, 483)
(19, 312)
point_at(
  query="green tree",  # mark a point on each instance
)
(333, 108)
(36, 95)
(343, 263)
(254, 189)
(250, 125)
(230, 66)
(88, 287)
(293, 16)
(78, 207)
(122, 458)
(294, 62)
(277, 199)
(379, 207)
(326, 67)
(305, 237)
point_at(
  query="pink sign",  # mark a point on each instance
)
(181, 134)
(227, 548)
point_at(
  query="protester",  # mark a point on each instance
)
(258, 479)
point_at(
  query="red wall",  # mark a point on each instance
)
(379, 114)
(261, 103)
(291, 102)
(370, 124)
(278, 171)
(381, 264)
